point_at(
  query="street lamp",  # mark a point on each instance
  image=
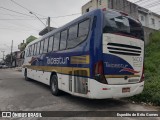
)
(37, 18)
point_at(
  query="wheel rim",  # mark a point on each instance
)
(53, 86)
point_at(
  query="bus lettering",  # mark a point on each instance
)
(115, 65)
(59, 60)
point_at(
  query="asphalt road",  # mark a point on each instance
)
(16, 94)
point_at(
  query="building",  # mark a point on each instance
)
(18, 60)
(149, 20)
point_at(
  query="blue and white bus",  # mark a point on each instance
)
(98, 55)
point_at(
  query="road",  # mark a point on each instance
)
(16, 94)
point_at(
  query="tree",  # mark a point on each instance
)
(30, 39)
(8, 59)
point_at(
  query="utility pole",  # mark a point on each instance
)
(11, 52)
(3, 54)
(48, 21)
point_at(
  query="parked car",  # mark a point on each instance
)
(4, 66)
(1, 66)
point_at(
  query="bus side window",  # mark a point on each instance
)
(27, 52)
(56, 42)
(72, 36)
(35, 49)
(64, 35)
(30, 49)
(45, 48)
(83, 30)
(38, 47)
(50, 44)
(41, 48)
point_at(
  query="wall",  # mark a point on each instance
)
(147, 32)
(125, 6)
(132, 9)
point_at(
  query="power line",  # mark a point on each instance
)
(29, 11)
(22, 19)
(15, 29)
(15, 11)
(25, 8)
(12, 15)
(66, 15)
(38, 19)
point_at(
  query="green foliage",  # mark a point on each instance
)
(8, 58)
(30, 39)
(151, 92)
(23, 47)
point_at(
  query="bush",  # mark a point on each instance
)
(151, 92)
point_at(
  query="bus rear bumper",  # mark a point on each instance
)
(102, 91)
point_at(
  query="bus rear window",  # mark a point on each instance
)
(115, 22)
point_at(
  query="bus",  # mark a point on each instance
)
(98, 55)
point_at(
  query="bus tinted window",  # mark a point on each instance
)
(38, 46)
(32, 50)
(50, 44)
(73, 32)
(27, 53)
(63, 40)
(72, 36)
(35, 49)
(41, 48)
(115, 22)
(83, 28)
(45, 48)
(56, 42)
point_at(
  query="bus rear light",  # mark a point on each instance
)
(99, 72)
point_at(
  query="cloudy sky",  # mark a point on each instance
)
(18, 26)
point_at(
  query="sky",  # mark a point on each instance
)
(19, 26)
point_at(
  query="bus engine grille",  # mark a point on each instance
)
(124, 49)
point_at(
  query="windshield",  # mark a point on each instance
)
(115, 22)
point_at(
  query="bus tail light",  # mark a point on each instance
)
(142, 77)
(99, 72)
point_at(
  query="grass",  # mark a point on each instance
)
(151, 92)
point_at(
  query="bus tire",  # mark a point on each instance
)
(54, 85)
(25, 75)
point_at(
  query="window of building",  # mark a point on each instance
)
(142, 18)
(50, 44)
(41, 47)
(87, 10)
(153, 21)
(64, 35)
(56, 42)
(38, 47)
(72, 35)
(45, 48)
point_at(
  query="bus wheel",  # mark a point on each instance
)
(54, 85)
(25, 75)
